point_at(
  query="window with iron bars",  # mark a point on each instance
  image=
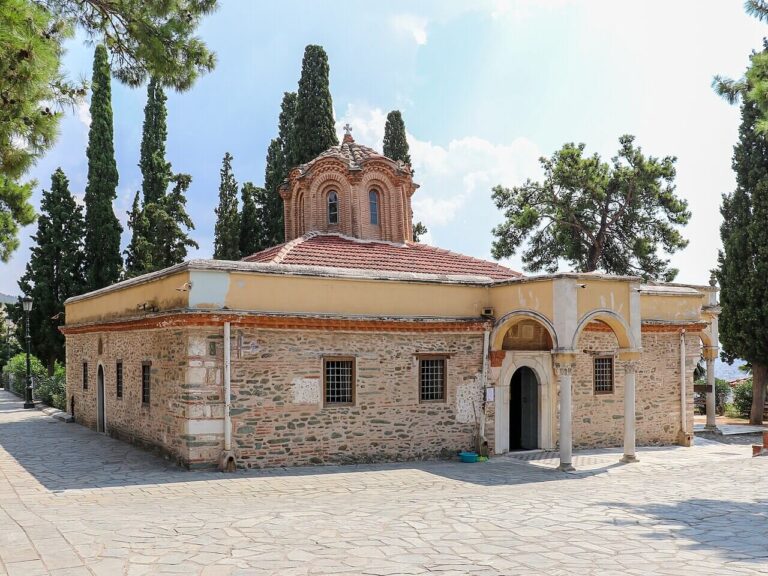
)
(339, 380)
(146, 369)
(603, 374)
(432, 379)
(119, 379)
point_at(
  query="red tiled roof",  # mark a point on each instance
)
(354, 155)
(336, 251)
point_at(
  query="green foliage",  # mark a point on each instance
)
(395, 140)
(160, 223)
(55, 268)
(250, 233)
(742, 398)
(314, 130)
(17, 367)
(9, 343)
(595, 216)
(286, 133)
(418, 231)
(743, 261)
(226, 241)
(102, 228)
(146, 38)
(52, 390)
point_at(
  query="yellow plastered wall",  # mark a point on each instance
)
(297, 294)
(604, 294)
(163, 293)
(671, 308)
(535, 296)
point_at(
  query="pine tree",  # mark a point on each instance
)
(226, 240)
(155, 171)
(743, 261)
(251, 233)
(138, 255)
(314, 130)
(55, 269)
(102, 228)
(395, 140)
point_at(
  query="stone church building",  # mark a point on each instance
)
(352, 343)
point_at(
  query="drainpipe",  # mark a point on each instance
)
(227, 460)
(683, 427)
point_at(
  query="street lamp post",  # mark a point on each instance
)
(27, 305)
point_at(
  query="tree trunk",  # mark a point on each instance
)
(51, 365)
(759, 377)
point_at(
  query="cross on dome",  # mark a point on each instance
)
(348, 133)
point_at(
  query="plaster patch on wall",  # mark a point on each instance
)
(196, 346)
(469, 401)
(306, 390)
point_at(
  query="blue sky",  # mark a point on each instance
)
(485, 88)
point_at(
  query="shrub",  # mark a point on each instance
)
(742, 398)
(17, 367)
(52, 390)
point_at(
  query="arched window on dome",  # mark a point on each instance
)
(373, 206)
(333, 208)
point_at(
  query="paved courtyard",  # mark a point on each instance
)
(75, 502)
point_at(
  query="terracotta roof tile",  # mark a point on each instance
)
(337, 251)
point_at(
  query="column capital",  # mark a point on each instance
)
(630, 355)
(564, 367)
(710, 353)
(631, 366)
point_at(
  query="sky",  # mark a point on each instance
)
(485, 89)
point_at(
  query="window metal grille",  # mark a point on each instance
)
(432, 379)
(119, 379)
(85, 375)
(603, 375)
(146, 368)
(373, 201)
(333, 208)
(339, 381)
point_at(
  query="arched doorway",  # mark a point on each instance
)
(524, 410)
(101, 417)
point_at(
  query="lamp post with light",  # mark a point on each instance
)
(26, 303)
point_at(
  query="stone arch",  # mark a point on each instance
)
(616, 322)
(504, 323)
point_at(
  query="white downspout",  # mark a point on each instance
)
(683, 424)
(227, 460)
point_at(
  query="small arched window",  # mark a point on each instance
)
(333, 208)
(373, 203)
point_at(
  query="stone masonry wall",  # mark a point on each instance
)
(598, 419)
(158, 425)
(279, 418)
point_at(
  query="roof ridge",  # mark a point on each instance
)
(288, 246)
(361, 240)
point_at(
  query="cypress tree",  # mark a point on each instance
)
(169, 218)
(251, 232)
(138, 255)
(395, 140)
(55, 269)
(286, 129)
(102, 228)
(155, 171)
(314, 130)
(743, 261)
(226, 240)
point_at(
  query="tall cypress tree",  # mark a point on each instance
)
(102, 228)
(286, 130)
(138, 255)
(395, 140)
(155, 171)
(55, 268)
(314, 130)
(226, 240)
(251, 231)
(743, 261)
(169, 218)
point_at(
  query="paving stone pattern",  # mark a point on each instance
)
(75, 502)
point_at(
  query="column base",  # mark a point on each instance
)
(629, 459)
(712, 428)
(29, 404)
(566, 467)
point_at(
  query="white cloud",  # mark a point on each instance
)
(455, 179)
(414, 26)
(84, 113)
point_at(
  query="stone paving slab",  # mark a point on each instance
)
(731, 429)
(75, 502)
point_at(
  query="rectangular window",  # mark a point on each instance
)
(146, 368)
(603, 374)
(339, 380)
(373, 202)
(432, 379)
(85, 375)
(119, 378)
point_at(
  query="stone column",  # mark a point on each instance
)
(564, 369)
(629, 412)
(710, 354)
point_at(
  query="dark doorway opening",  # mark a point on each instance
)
(524, 410)
(101, 417)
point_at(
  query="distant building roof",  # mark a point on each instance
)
(338, 251)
